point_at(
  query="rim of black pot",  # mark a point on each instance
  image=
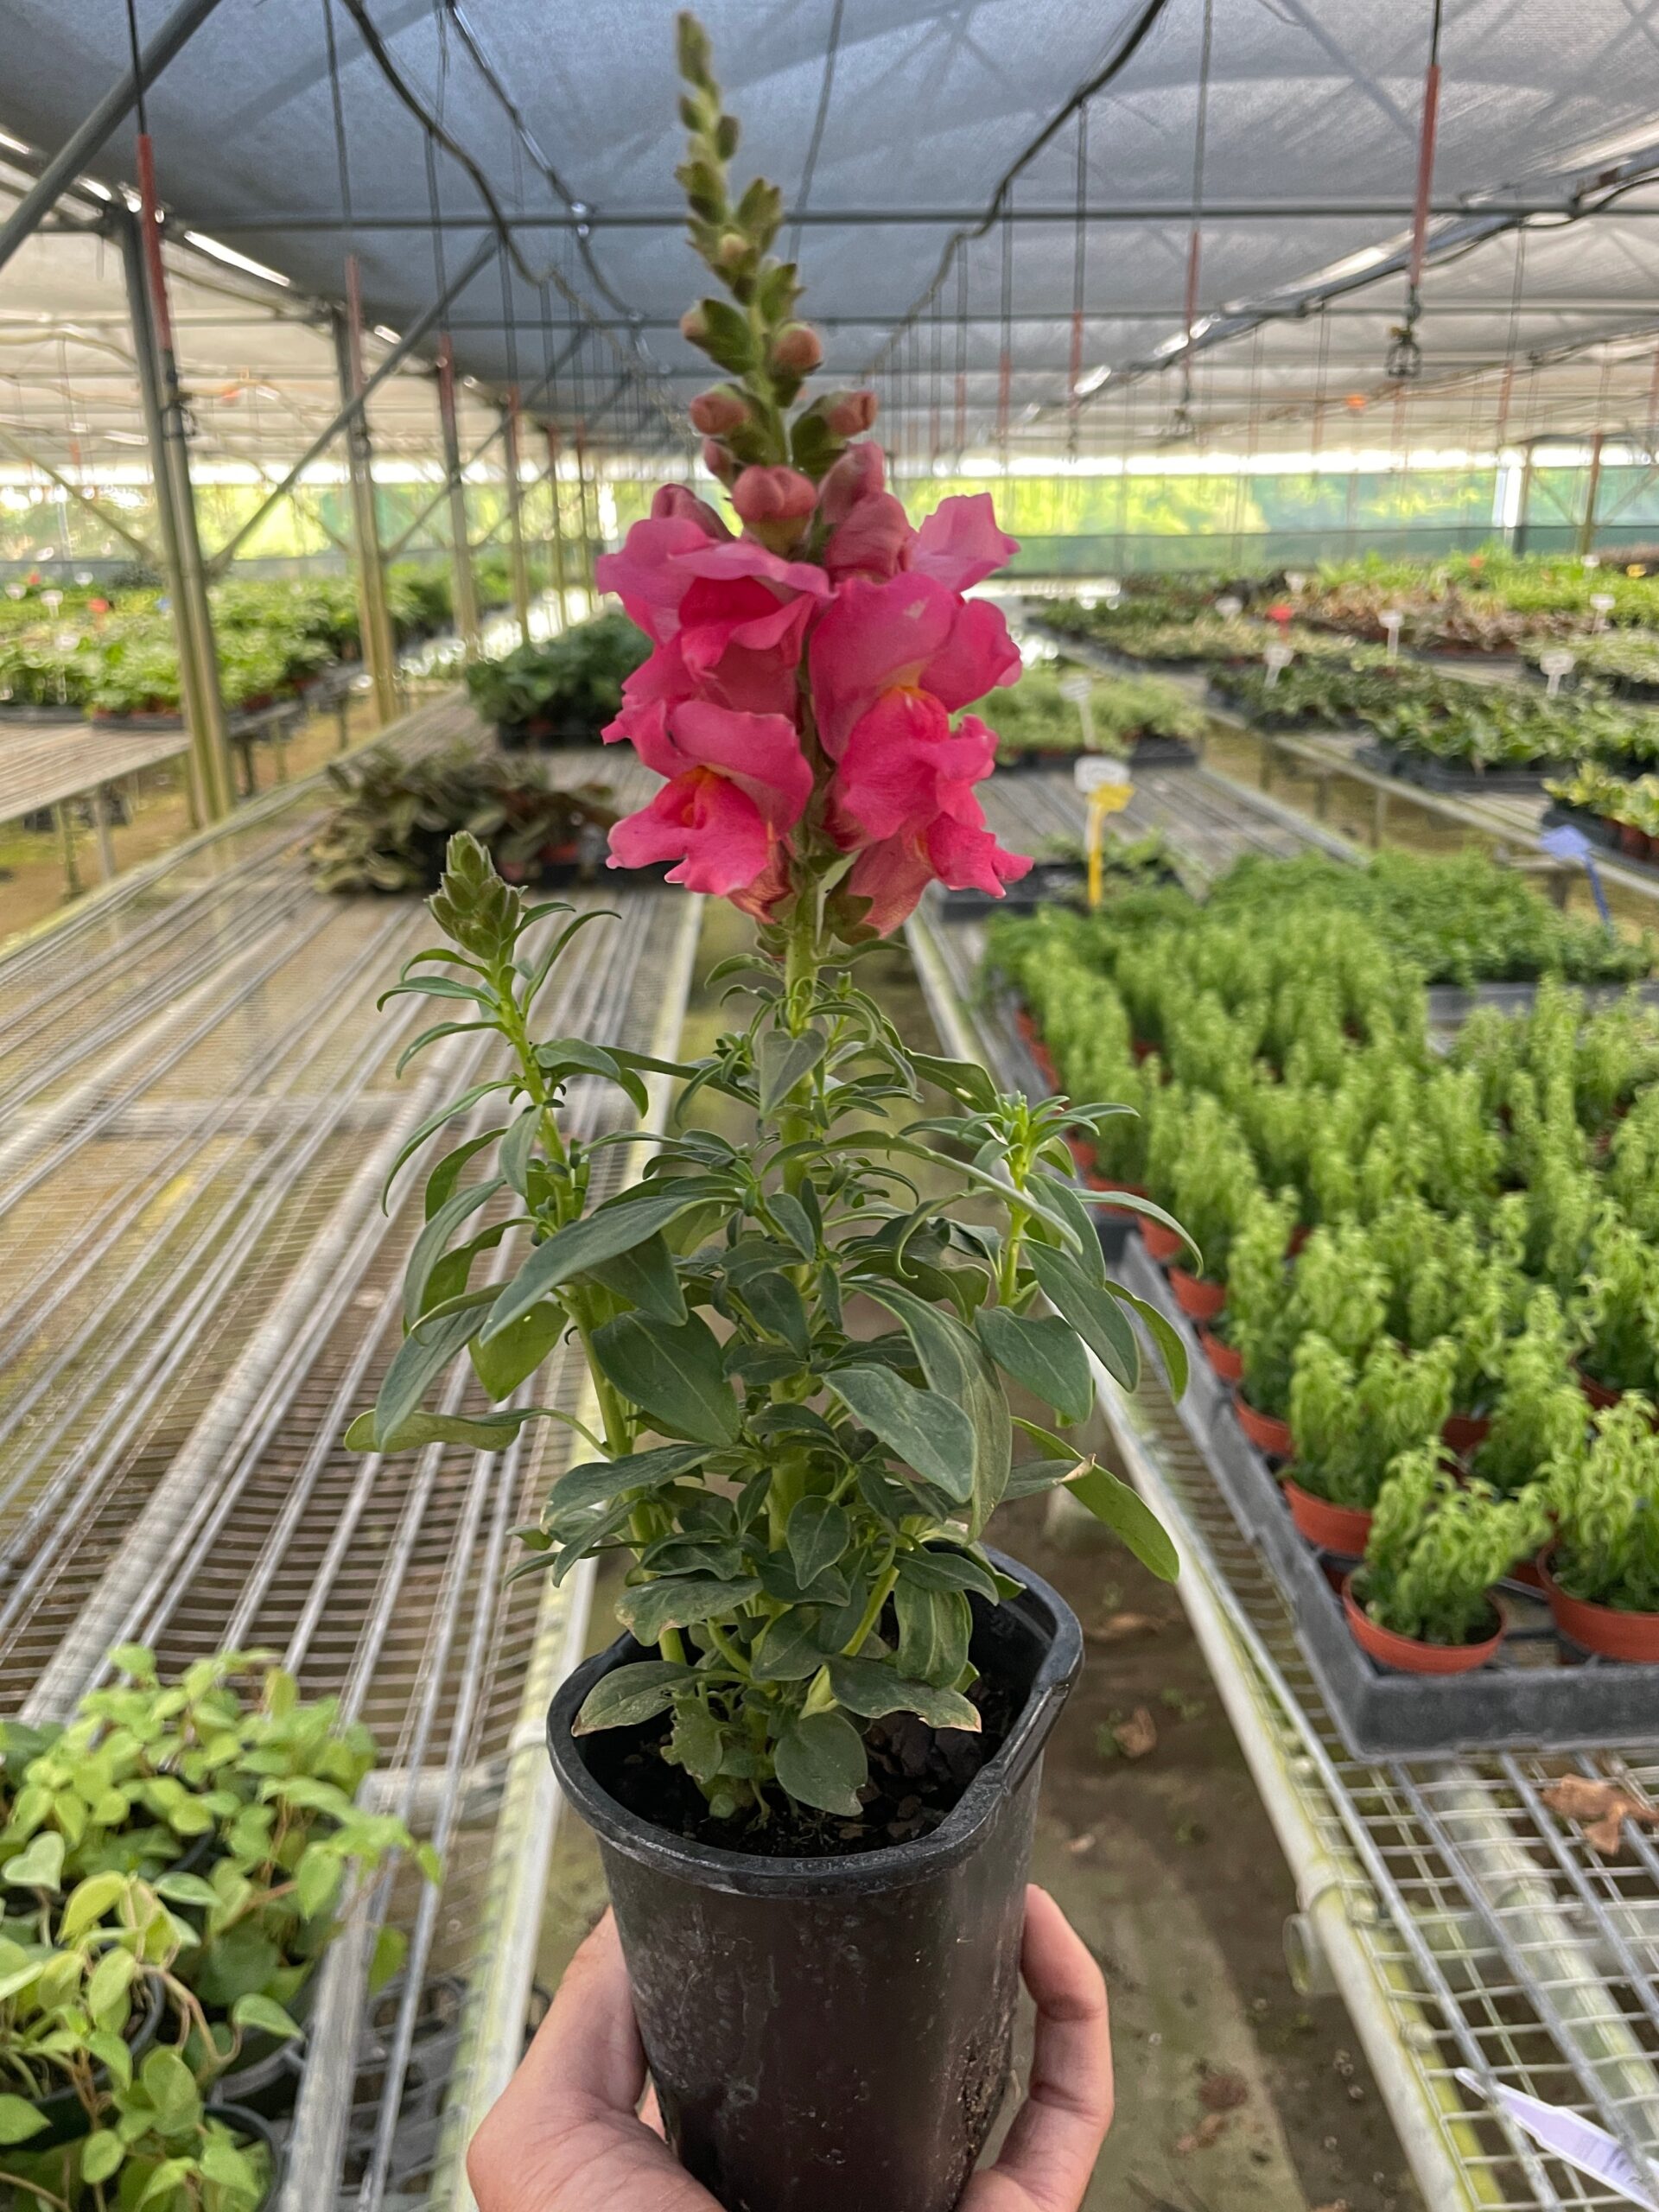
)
(892, 1865)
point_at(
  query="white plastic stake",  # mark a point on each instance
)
(1554, 665)
(1294, 580)
(1565, 2135)
(1079, 691)
(1391, 621)
(1227, 607)
(1278, 658)
(1603, 602)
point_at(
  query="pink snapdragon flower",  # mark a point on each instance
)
(736, 784)
(909, 633)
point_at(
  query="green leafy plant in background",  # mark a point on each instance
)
(1035, 717)
(397, 815)
(1621, 1307)
(1605, 1496)
(1437, 1547)
(1352, 1422)
(1539, 1413)
(571, 684)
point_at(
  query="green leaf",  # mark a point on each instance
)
(965, 1080)
(928, 1432)
(222, 2163)
(171, 2087)
(818, 1532)
(18, 2121)
(583, 1245)
(934, 1629)
(1052, 1447)
(446, 1173)
(40, 1867)
(820, 1761)
(391, 1948)
(629, 1694)
(1042, 1352)
(423, 1354)
(265, 2014)
(502, 1362)
(166, 2179)
(433, 1240)
(678, 1600)
(100, 2154)
(674, 1375)
(186, 1889)
(1030, 1478)
(868, 1688)
(948, 1570)
(779, 1308)
(645, 1277)
(958, 1370)
(789, 1651)
(484, 1432)
(316, 1881)
(88, 1902)
(792, 1217)
(781, 1061)
(1093, 1312)
(435, 1121)
(596, 1482)
(1165, 1335)
(109, 1982)
(1129, 1516)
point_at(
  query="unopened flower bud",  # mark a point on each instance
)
(849, 414)
(719, 463)
(767, 495)
(681, 504)
(718, 412)
(798, 348)
(861, 471)
(694, 327)
(733, 250)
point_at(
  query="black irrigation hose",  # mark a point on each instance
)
(1129, 43)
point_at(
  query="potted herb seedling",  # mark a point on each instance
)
(1621, 1303)
(1601, 1574)
(1539, 1413)
(1350, 1426)
(1421, 1602)
(557, 690)
(1214, 1180)
(811, 1762)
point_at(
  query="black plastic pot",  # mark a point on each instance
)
(831, 2032)
(66, 2119)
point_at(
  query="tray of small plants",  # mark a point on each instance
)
(1620, 814)
(560, 691)
(1626, 661)
(396, 817)
(174, 1865)
(1142, 720)
(1059, 876)
(1422, 1289)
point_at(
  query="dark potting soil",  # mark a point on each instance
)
(917, 1775)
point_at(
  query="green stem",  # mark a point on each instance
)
(878, 1597)
(729, 1651)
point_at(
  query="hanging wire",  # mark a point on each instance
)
(1005, 356)
(961, 438)
(1183, 422)
(1079, 278)
(810, 165)
(1405, 356)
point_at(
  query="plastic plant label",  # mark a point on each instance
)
(1076, 689)
(1098, 775)
(1565, 2135)
(1227, 607)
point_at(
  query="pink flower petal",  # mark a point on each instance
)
(875, 540)
(873, 638)
(977, 657)
(714, 831)
(760, 754)
(960, 543)
(646, 574)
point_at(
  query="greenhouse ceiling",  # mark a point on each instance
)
(998, 205)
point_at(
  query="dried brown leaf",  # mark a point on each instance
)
(1137, 1735)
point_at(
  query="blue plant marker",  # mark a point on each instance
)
(1567, 843)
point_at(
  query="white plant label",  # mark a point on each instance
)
(1098, 774)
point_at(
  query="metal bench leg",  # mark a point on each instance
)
(106, 843)
(1379, 818)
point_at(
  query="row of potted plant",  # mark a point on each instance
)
(174, 1863)
(1130, 717)
(1621, 814)
(559, 690)
(1398, 1251)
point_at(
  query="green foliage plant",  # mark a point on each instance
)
(1437, 1546)
(1351, 1424)
(1605, 1498)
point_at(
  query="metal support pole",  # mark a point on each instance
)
(175, 508)
(1587, 527)
(379, 654)
(557, 547)
(516, 515)
(1518, 536)
(460, 544)
(100, 802)
(106, 117)
(588, 531)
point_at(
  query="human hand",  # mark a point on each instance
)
(566, 2135)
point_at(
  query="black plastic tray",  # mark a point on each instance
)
(1526, 1697)
(1461, 783)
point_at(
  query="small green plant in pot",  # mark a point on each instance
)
(1539, 1413)
(1351, 1425)
(1602, 1573)
(1421, 1602)
(832, 1694)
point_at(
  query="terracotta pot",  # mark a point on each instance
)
(1198, 1298)
(1528, 1572)
(1268, 1435)
(1228, 1363)
(1603, 1630)
(1464, 1432)
(1598, 1394)
(1299, 1237)
(1404, 1654)
(1142, 1047)
(1162, 1244)
(1340, 1528)
(1633, 841)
